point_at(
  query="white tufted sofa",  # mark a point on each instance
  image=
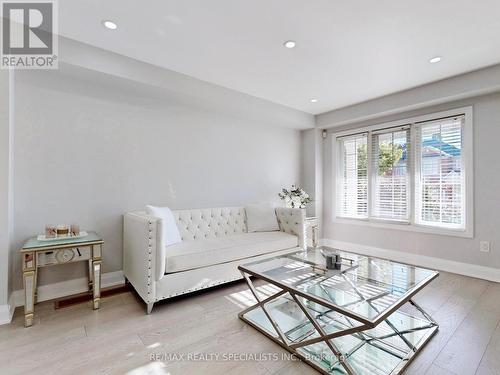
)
(214, 242)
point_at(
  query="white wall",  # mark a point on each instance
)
(312, 169)
(480, 82)
(180, 87)
(5, 189)
(89, 147)
(486, 188)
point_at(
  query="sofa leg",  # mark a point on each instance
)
(150, 307)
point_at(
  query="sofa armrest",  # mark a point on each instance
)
(143, 253)
(292, 220)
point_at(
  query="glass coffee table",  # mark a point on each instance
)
(360, 319)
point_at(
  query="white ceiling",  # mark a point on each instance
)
(347, 51)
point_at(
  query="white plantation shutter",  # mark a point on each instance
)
(390, 175)
(352, 188)
(440, 182)
(415, 171)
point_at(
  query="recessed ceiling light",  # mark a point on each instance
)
(313, 100)
(435, 60)
(110, 25)
(290, 44)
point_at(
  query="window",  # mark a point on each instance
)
(390, 174)
(412, 172)
(353, 179)
(440, 185)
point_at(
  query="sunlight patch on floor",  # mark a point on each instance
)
(153, 368)
(245, 298)
(154, 345)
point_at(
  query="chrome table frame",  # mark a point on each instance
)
(359, 324)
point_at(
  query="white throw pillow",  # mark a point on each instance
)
(170, 232)
(261, 217)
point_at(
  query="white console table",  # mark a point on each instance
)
(37, 254)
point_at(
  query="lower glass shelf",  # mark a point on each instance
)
(385, 349)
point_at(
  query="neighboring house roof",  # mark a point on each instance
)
(445, 148)
(433, 147)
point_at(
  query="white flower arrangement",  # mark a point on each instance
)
(296, 197)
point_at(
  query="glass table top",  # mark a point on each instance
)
(365, 288)
(34, 243)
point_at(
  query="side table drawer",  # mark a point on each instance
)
(51, 257)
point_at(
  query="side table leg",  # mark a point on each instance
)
(35, 293)
(91, 271)
(29, 283)
(96, 268)
(314, 236)
(29, 297)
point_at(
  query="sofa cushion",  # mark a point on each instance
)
(261, 217)
(169, 232)
(193, 254)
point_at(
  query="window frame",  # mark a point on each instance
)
(411, 224)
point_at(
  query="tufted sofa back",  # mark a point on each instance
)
(199, 224)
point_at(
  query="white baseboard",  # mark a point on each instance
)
(57, 290)
(466, 269)
(7, 311)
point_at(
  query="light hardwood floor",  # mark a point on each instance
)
(120, 338)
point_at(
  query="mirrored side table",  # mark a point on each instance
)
(36, 254)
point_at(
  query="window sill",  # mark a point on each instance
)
(385, 224)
